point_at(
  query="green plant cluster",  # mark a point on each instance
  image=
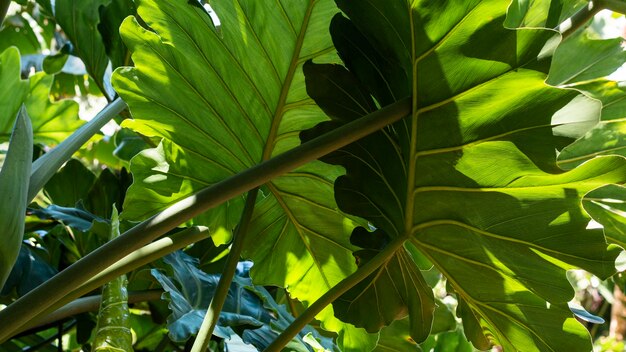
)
(310, 175)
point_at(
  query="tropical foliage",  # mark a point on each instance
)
(329, 175)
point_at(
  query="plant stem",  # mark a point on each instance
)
(141, 257)
(47, 165)
(221, 292)
(618, 6)
(585, 14)
(579, 19)
(361, 273)
(53, 290)
(4, 7)
(91, 304)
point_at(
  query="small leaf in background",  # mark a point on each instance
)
(111, 17)
(580, 58)
(79, 20)
(29, 271)
(52, 122)
(16, 31)
(70, 184)
(77, 217)
(113, 332)
(14, 178)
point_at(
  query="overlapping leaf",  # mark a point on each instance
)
(470, 179)
(608, 137)
(224, 101)
(607, 205)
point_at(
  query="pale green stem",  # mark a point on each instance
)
(91, 304)
(329, 297)
(138, 258)
(47, 165)
(618, 6)
(41, 298)
(221, 292)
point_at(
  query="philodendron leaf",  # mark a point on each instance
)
(14, 177)
(607, 205)
(235, 98)
(469, 180)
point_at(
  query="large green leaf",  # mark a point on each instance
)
(235, 98)
(470, 179)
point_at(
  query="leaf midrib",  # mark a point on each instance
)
(291, 71)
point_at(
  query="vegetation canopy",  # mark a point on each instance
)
(311, 175)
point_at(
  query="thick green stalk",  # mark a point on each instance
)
(585, 14)
(359, 275)
(38, 300)
(47, 165)
(618, 6)
(113, 331)
(579, 19)
(138, 258)
(91, 304)
(221, 292)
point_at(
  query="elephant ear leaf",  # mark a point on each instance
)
(234, 98)
(467, 182)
